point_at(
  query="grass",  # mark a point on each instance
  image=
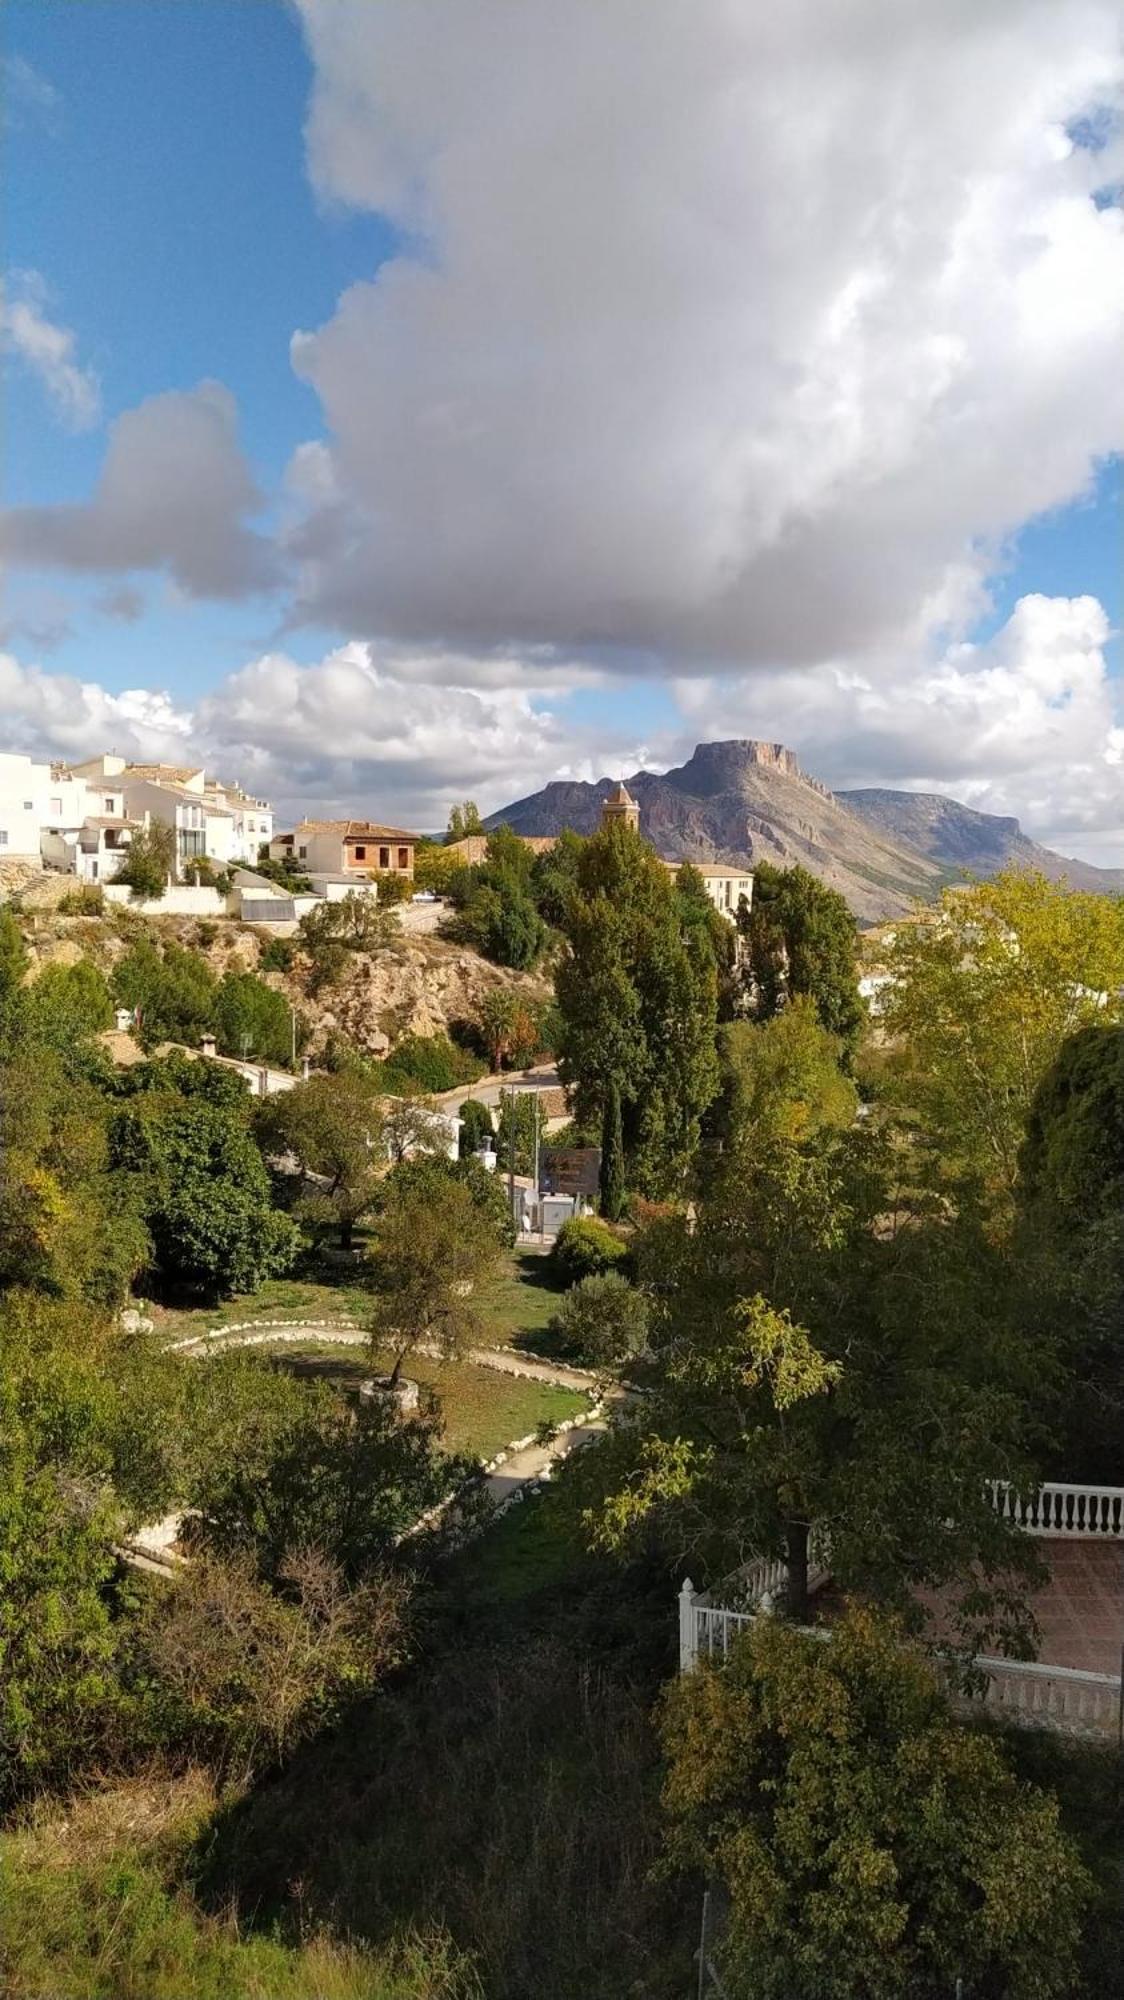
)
(518, 1304)
(96, 1904)
(483, 1408)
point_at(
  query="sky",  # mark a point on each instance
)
(404, 403)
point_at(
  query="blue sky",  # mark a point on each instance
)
(162, 195)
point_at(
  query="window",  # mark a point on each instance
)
(56, 808)
(192, 844)
(360, 854)
(109, 805)
(403, 857)
(29, 805)
(3, 837)
(302, 851)
(384, 857)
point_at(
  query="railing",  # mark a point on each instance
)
(1045, 1697)
(1079, 1513)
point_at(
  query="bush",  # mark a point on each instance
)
(393, 888)
(286, 874)
(476, 1126)
(430, 1063)
(87, 900)
(252, 1020)
(151, 859)
(602, 1320)
(277, 955)
(173, 989)
(586, 1248)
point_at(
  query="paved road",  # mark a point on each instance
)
(489, 1089)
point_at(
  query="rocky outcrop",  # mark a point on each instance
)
(419, 988)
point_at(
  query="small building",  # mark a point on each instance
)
(473, 849)
(24, 787)
(346, 847)
(725, 886)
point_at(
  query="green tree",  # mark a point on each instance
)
(515, 1138)
(150, 862)
(333, 1128)
(252, 1020)
(66, 1005)
(585, 1247)
(464, 821)
(637, 995)
(201, 1185)
(611, 1183)
(426, 1176)
(496, 905)
(476, 1126)
(982, 994)
(915, 1389)
(172, 990)
(867, 1842)
(781, 1079)
(554, 877)
(13, 962)
(428, 1260)
(801, 938)
(510, 1028)
(332, 930)
(435, 868)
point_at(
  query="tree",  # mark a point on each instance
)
(67, 1004)
(476, 1126)
(280, 1465)
(464, 821)
(554, 875)
(801, 938)
(637, 995)
(914, 1390)
(332, 930)
(333, 1128)
(13, 961)
(867, 1843)
(150, 862)
(602, 1320)
(781, 1079)
(496, 906)
(392, 888)
(426, 1176)
(429, 1063)
(172, 991)
(611, 1183)
(509, 1028)
(982, 994)
(427, 1261)
(252, 1020)
(515, 1139)
(201, 1185)
(435, 868)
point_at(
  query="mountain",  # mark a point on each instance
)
(956, 836)
(742, 801)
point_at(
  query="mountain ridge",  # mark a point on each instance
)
(743, 800)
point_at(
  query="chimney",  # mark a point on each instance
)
(207, 1044)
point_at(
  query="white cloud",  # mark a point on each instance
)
(173, 494)
(738, 335)
(28, 97)
(1030, 722)
(48, 351)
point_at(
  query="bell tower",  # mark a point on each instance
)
(620, 805)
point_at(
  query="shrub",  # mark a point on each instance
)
(151, 859)
(253, 1020)
(277, 955)
(476, 1126)
(603, 1320)
(429, 1063)
(393, 888)
(585, 1247)
(87, 900)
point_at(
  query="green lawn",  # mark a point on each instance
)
(514, 1308)
(483, 1408)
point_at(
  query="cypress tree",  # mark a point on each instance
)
(612, 1156)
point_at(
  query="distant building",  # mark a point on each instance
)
(343, 847)
(222, 822)
(725, 886)
(24, 787)
(621, 806)
(473, 849)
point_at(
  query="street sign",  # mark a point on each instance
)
(571, 1169)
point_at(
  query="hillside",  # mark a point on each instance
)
(956, 836)
(744, 799)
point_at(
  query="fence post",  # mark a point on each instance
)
(688, 1636)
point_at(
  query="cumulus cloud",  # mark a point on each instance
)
(48, 351)
(742, 342)
(173, 494)
(1028, 722)
(356, 731)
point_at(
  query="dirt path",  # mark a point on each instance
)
(557, 1373)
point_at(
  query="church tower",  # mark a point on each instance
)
(620, 805)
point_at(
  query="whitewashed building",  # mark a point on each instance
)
(24, 788)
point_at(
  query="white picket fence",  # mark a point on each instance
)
(1075, 1513)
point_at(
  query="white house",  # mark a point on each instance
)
(725, 886)
(24, 786)
(210, 818)
(252, 827)
(87, 830)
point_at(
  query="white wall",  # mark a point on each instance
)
(180, 899)
(23, 806)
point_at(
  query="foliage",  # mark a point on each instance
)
(286, 874)
(611, 1183)
(189, 1076)
(866, 1841)
(464, 821)
(252, 1020)
(496, 906)
(585, 1248)
(430, 1063)
(332, 1125)
(277, 955)
(150, 862)
(329, 931)
(476, 1126)
(171, 989)
(65, 1005)
(554, 877)
(13, 960)
(602, 1320)
(637, 992)
(241, 1672)
(801, 938)
(202, 1188)
(86, 899)
(515, 1137)
(917, 1388)
(510, 1028)
(435, 868)
(427, 1260)
(983, 993)
(393, 888)
(781, 1079)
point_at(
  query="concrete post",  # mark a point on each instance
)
(688, 1636)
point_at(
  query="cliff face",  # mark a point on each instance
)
(747, 801)
(957, 836)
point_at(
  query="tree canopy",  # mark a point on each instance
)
(801, 938)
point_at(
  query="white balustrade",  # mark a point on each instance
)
(1071, 1512)
(1046, 1697)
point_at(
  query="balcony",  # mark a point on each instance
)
(1079, 1610)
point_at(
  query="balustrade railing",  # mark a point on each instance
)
(1046, 1697)
(1076, 1512)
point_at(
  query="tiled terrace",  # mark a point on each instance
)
(1079, 1610)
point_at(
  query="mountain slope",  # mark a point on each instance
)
(745, 800)
(956, 836)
